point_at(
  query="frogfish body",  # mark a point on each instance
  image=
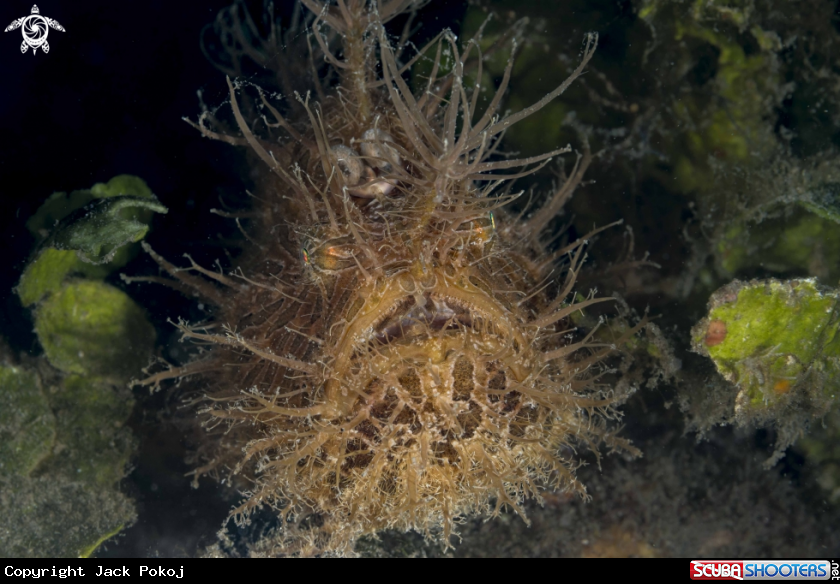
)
(395, 348)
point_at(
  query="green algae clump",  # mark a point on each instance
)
(55, 516)
(99, 229)
(61, 204)
(27, 424)
(91, 328)
(779, 343)
(96, 445)
(789, 224)
(48, 272)
(64, 448)
(88, 327)
(87, 233)
(64, 445)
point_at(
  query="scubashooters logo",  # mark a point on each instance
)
(35, 29)
(760, 570)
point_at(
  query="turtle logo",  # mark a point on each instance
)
(35, 28)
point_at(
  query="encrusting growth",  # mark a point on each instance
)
(393, 350)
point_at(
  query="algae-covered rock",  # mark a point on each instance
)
(95, 444)
(93, 329)
(779, 343)
(786, 221)
(56, 517)
(793, 241)
(750, 131)
(64, 448)
(771, 336)
(27, 424)
(727, 55)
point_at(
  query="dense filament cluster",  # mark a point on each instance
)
(395, 349)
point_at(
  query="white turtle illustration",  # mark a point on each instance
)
(35, 29)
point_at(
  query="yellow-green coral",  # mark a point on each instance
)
(87, 550)
(74, 433)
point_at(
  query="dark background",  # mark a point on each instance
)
(109, 99)
(106, 100)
